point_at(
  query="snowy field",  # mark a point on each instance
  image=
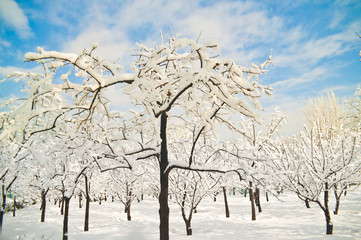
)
(288, 219)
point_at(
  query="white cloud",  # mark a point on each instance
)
(112, 44)
(307, 77)
(14, 18)
(233, 24)
(311, 52)
(118, 100)
(4, 43)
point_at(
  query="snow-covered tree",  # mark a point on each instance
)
(9, 172)
(354, 110)
(255, 149)
(326, 112)
(314, 163)
(331, 118)
(188, 189)
(127, 186)
(178, 74)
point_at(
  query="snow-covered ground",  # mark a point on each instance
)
(289, 219)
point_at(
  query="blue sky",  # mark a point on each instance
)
(314, 44)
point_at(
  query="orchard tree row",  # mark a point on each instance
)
(61, 140)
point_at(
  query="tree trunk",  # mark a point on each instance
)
(129, 217)
(66, 218)
(86, 220)
(267, 197)
(329, 225)
(62, 204)
(43, 205)
(258, 200)
(225, 202)
(338, 199)
(87, 204)
(188, 228)
(251, 197)
(307, 203)
(80, 200)
(2, 212)
(187, 221)
(335, 212)
(14, 206)
(128, 203)
(164, 181)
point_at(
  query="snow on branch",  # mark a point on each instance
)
(87, 62)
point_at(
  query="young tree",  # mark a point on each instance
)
(126, 187)
(314, 163)
(330, 118)
(256, 148)
(188, 189)
(9, 171)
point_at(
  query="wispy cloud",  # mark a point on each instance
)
(14, 18)
(309, 76)
(4, 43)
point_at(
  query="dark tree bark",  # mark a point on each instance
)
(337, 206)
(225, 202)
(258, 200)
(129, 217)
(14, 206)
(188, 220)
(80, 200)
(62, 203)
(338, 199)
(87, 204)
(128, 205)
(188, 227)
(43, 204)
(267, 197)
(307, 202)
(164, 181)
(329, 225)
(66, 218)
(2, 212)
(251, 198)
